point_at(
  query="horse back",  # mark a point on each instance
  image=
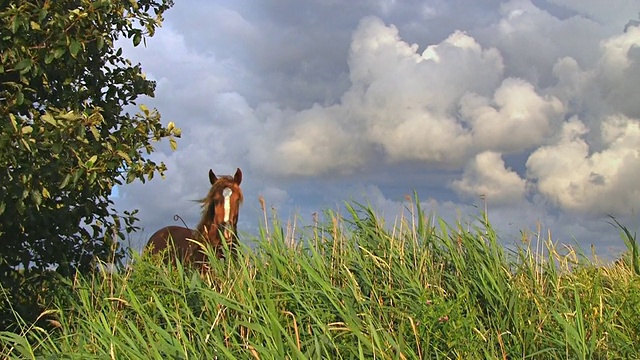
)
(177, 237)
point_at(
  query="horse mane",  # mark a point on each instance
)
(208, 210)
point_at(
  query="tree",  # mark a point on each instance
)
(66, 138)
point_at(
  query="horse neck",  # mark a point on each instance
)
(204, 229)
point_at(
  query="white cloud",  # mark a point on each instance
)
(306, 143)
(578, 179)
(516, 119)
(389, 71)
(619, 72)
(531, 40)
(392, 105)
(608, 88)
(486, 80)
(615, 13)
(486, 176)
(394, 92)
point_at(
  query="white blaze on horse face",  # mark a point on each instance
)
(227, 203)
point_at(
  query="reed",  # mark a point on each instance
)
(351, 286)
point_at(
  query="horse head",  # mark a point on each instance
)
(220, 210)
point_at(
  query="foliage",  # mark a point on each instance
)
(353, 288)
(65, 138)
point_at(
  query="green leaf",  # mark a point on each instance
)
(124, 155)
(65, 181)
(15, 25)
(19, 98)
(14, 123)
(58, 52)
(173, 144)
(47, 117)
(23, 66)
(76, 175)
(130, 177)
(74, 47)
(56, 147)
(43, 14)
(95, 132)
(3, 206)
(137, 38)
(27, 129)
(100, 43)
(92, 177)
(48, 59)
(36, 197)
(25, 144)
(69, 116)
(35, 25)
(89, 163)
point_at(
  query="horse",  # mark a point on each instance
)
(219, 223)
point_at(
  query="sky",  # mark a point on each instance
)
(528, 108)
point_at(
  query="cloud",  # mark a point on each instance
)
(531, 39)
(386, 71)
(534, 104)
(607, 13)
(307, 143)
(406, 99)
(607, 88)
(392, 106)
(619, 72)
(487, 177)
(579, 179)
(394, 112)
(517, 118)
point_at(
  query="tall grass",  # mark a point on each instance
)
(354, 287)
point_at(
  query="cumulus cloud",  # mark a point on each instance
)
(608, 13)
(579, 179)
(307, 143)
(531, 39)
(486, 176)
(605, 89)
(406, 99)
(589, 167)
(393, 105)
(516, 119)
(619, 72)
(393, 110)
(322, 101)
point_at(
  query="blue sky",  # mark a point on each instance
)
(531, 108)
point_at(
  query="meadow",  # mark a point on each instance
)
(354, 287)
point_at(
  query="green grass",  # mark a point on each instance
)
(352, 288)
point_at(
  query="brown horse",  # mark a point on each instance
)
(219, 223)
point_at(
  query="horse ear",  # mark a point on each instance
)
(238, 176)
(212, 177)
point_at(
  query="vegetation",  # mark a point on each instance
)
(65, 138)
(349, 289)
(354, 288)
